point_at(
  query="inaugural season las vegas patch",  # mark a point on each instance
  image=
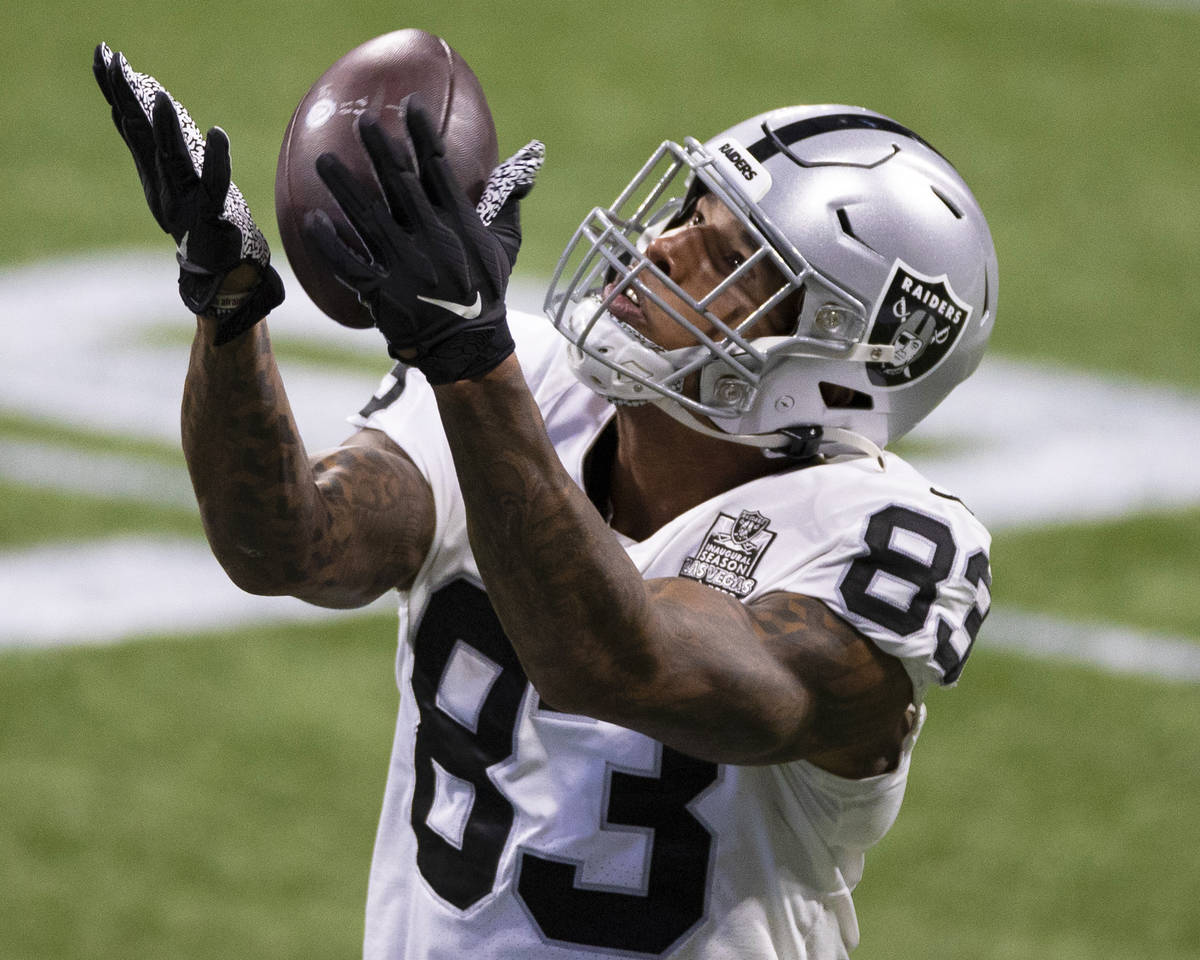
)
(730, 552)
(922, 316)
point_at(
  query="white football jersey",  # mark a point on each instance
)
(513, 830)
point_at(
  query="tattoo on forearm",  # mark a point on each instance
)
(276, 522)
(547, 529)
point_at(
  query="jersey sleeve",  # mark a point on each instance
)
(405, 409)
(403, 406)
(905, 564)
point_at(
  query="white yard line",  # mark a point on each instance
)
(1031, 446)
(1029, 441)
(110, 475)
(1109, 647)
(110, 591)
(107, 591)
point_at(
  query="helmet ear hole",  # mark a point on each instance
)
(837, 397)
(789, 314)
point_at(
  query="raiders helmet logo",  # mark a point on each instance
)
(921, 317)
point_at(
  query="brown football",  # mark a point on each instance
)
(375, 77)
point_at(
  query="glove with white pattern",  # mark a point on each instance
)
(187, 184)
(438, 267)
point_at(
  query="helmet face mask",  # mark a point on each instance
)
(872, 244)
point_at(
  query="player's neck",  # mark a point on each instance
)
(663, 468)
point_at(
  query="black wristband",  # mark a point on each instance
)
(464, 354)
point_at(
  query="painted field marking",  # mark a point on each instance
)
(111, 591)
(1027, 445)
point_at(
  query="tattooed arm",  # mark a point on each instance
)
(338, 530)
(779, 679)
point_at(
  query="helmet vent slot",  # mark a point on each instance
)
(844, 220)
(837, 397)
(946, 200)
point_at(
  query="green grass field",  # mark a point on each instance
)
(216, 795)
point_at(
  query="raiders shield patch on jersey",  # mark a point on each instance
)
(731, 550)
(921, 317)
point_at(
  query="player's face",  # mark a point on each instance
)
(698, 255)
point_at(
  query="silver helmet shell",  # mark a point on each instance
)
(878, 231)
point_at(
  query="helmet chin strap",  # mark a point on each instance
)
(771, 441)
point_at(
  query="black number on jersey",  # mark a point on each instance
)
(386, 397)
(917, 571)
(949, 659)
(463, 874)
(460, 616)
(677, 876)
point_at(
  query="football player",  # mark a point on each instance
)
(669, 610)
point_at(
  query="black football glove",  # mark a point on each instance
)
(438, 267)
(187, 185)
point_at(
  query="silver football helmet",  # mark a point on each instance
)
(884, 260)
